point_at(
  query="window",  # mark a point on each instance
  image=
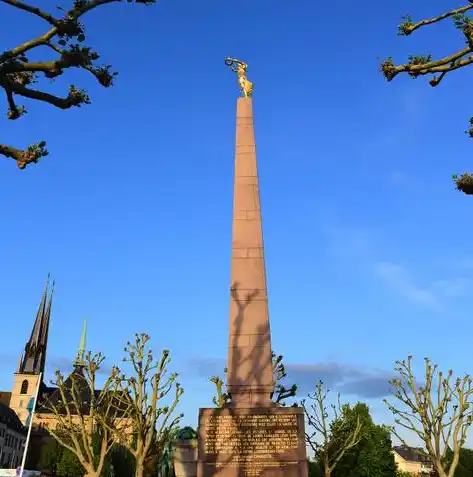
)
(24, 387)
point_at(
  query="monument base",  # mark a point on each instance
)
(252, 442)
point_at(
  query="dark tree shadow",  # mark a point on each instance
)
(291, 463)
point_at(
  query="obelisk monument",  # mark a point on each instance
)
(249, 375)
(250, 436)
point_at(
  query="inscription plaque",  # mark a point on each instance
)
(251, 442)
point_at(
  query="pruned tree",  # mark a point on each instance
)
(279, 394)
(321, 424)
(79, 410)
(438, 68)
(65, 38)
(221, 396)
(439, 410)
(152, 422)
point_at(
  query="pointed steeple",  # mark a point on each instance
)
(33, 360)
(80, 360)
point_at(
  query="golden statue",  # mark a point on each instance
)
(240, 68)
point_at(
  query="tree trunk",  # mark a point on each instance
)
(440, 470)
(327, 470)
(90, 472)
(140, 469)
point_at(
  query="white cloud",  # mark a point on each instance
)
(400, 279)
(430, 293)
(454, 287)
(362, 247)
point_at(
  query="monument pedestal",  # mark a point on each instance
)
(252, 442)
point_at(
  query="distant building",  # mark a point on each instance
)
(18, 402)
(413, 460)
(32, 363)
(31, 368)
(12, 438)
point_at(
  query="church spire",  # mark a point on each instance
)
(33, 360)
(80, 360)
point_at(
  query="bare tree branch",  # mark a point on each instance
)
(221, 397)
(281, 392)
(23, 157)
(151, 421)
(34, 10)
(320, 437)
(424, 65)
(440, 411)
(16, 72)
(76, 406)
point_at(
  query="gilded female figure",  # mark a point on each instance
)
(240, 68)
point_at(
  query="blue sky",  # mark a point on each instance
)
(368, 246)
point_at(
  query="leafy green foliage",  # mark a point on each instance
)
(405, 27)
(69, 465)
(464, 182)
(221, 396)
(465, 464)
(165, 467)
(315, 468)
(328, 434)
(187, 432)
(58, 461)
(419, 59)
(403, 473)
(465, 24)
(372, 456)
(50, 455)
(122, 462)
(107, 470)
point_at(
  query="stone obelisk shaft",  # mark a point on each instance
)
(249, 373)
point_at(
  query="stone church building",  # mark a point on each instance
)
(32, 363)
(18, 402)
(31, 368)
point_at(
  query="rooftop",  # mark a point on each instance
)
(412, 454)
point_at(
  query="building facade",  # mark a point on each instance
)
(12, 438)
(412, 460)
